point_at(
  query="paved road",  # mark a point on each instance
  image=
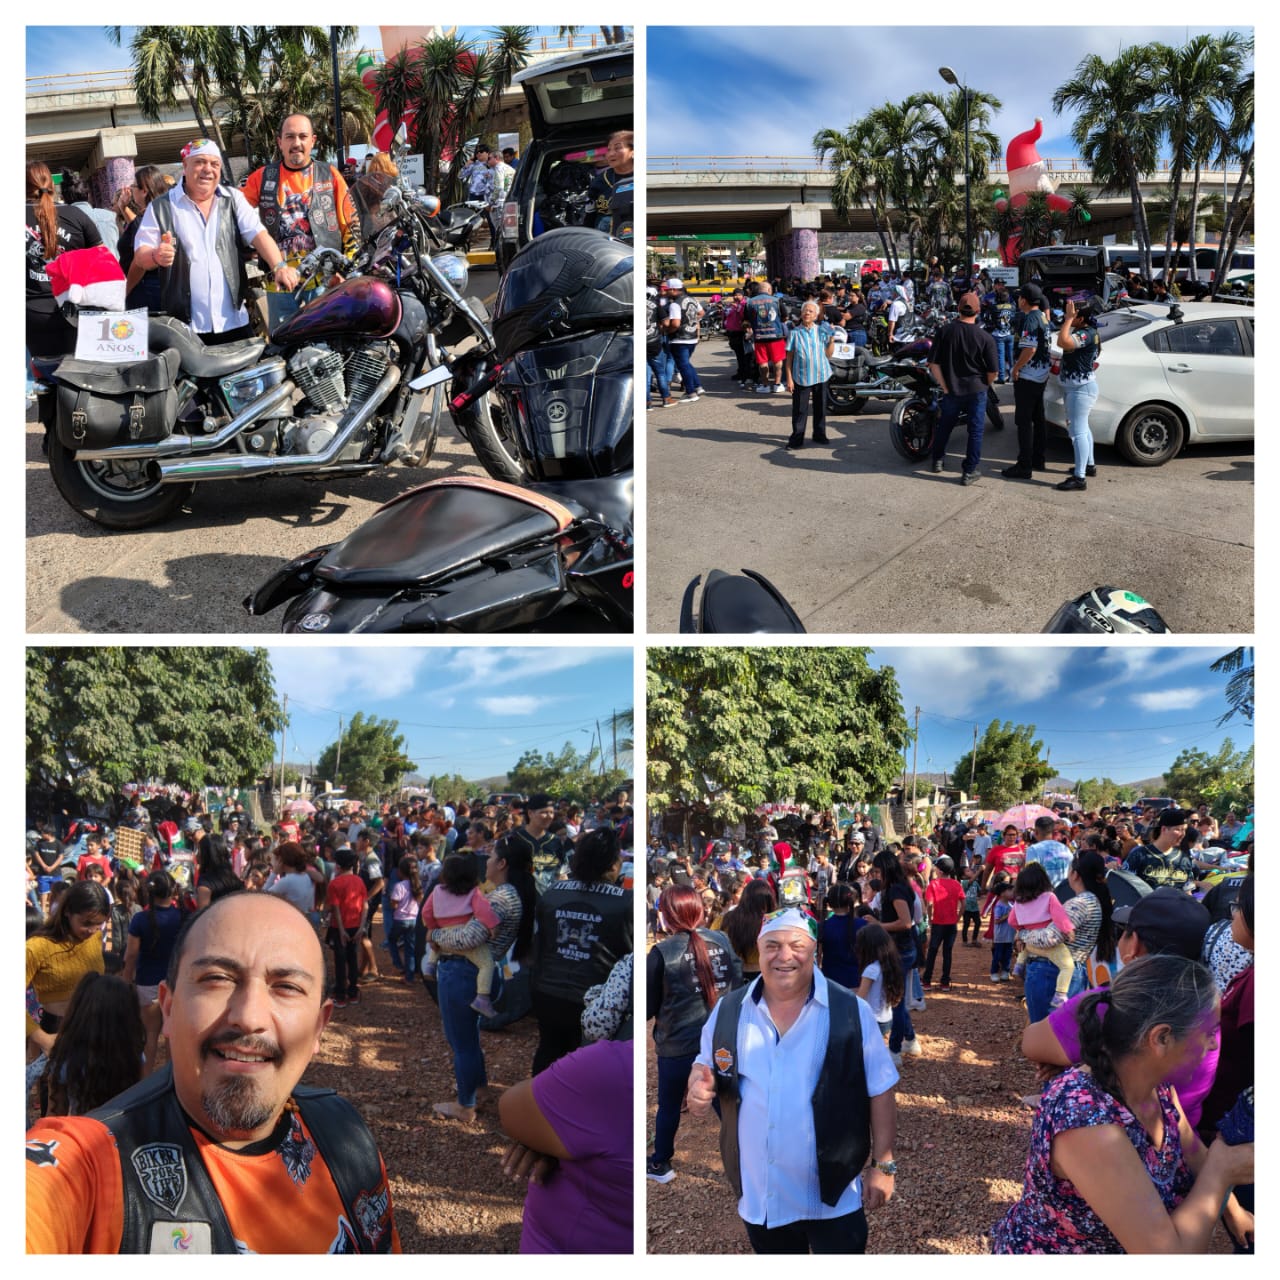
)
(190, 574)
(860, 541)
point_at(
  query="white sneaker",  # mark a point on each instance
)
(779, 389)
(691, 397)
(762, 389)
(912, 1047)
(897, 1058)
(995, 977)
(915, 1006)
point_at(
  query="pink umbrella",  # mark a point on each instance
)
(300, 806)
(1023, 816)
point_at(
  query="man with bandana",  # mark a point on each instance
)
(195, 235)
(222, 1151)
(807, 1110)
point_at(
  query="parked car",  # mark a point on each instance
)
(575, 103)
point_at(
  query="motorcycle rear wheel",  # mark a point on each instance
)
(994, 419)
(109, 495)
(911, 428)
(485, 427)
(840, 401)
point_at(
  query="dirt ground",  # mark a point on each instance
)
(963, 1134)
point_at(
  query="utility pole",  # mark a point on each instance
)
(600, 735)
(337, 764)
(283, 724)
(973, 766)
(915, 751)
(614, 721)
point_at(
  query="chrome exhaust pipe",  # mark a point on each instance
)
(193, 444)
(244, 465)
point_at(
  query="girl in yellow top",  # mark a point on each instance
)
(67, 948)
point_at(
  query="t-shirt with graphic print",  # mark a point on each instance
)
(1077, 364)
(764, 317)
(1035, 336)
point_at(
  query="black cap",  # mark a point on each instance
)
(1171, 818)
(1167, 921)
(1033, 294)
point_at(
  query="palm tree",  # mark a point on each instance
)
(899, 138)
(1115, 127)
(508, 54)
(847, 155)
(1195, 81)
(1237, 143)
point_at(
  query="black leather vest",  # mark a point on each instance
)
(677, 1028)
(583, 931)
(175, 281)
(841, 1107)
(322, 208)
(166, 1183)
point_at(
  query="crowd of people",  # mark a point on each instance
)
(498, 911)
(1131, 931)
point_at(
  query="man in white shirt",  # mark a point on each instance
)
(188, 235)
(806, 1095)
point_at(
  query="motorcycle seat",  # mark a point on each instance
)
(875, 362)
(164, 333)
(437, 529)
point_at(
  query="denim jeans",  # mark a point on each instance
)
(456, 985)
(400, 944)
(944, 936)
(858, 337)
(673, 1080)
(1004, 354)
(658, 373)
(1077, 399)
(974, 408)
(1039, 983)
(902, 1028)
(680, 353)
(1002, 957)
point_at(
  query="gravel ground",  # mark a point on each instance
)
(963, 1134)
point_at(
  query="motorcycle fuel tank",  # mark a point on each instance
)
(362, 305)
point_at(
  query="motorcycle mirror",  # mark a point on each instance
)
(431, 378)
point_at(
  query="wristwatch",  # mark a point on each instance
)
(886, 1166)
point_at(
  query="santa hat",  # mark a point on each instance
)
(1022, 149)
(89, 278)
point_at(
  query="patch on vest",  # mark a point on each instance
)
(297, 1151)
(181, 1237)
(373, 1212)
(345, 1240)
(724, 1061)
(42, 1153)
(162, 1172)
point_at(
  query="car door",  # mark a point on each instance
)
(1208, 364)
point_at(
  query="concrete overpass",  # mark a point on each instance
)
(787, 200)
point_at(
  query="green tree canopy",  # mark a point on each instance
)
(1096, 793)
(192, 716)
(565, 774)
(741, 727)
(1223, 779)
(371, 760)
(1010, 765)
(453, 786)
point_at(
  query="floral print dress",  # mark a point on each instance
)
(1052, 1217)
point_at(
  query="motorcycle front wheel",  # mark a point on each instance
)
(485, 426)
(911, 428)
(114, 495)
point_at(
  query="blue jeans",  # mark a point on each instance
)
(974, 407)
(1002, 957)
(1004, 354)
(680, 353)
(456, 985)
(902, 1028)
(400, 944)
(857, 336)
(658, 374)
(673, 1079)
(1078, 398)
(1039, 983)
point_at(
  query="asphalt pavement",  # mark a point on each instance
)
(859, 540)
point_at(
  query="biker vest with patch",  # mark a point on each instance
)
(166, 1185)
(322, 207)
(175, 280)
(677, 1027)
(690, 316)
(841, 1107)
(583, 931)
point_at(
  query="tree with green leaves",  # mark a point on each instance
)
(1237, 144)
(453, 786)
(735, 728)
(1010, 766)
(565, 774)
(1097, 793)
(190, 716)
(1223, 779)
(1238, 664)
(368, 760)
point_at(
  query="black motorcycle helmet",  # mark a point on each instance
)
(1108, 611)
(566, 281)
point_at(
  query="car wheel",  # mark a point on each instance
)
(1150, 435)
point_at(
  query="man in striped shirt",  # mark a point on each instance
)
(809, 347)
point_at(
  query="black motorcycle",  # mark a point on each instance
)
(466, 554)
(459, 223)
(732, 604)
(338, 390)
(914, 421)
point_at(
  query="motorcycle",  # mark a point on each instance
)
(730, 604)
(858, 376)
(464, 554)
(342, 388)
(915, 419)
(459, 223)
(712, 323)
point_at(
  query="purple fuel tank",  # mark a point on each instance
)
(362, 305)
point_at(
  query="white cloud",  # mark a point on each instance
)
(513, 705)
(1170, 699)
(961, 680)
(329, 674)
(489, 668)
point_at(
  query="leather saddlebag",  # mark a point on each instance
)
(100, 405)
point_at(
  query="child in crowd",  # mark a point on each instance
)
(458, 900)
(1002, 942)
(98, 1051)
(972, 880)
(881, 983)
(1043, 925)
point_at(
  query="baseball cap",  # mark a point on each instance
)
(675, 283)
(1171, 818)
(1033, 294)
(1167, 920)
(969, 305)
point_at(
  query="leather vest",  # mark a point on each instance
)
(175, 281)
(166, 1184)
(841, 1107)
(677, 1028)
(322, 208)
(583, 931)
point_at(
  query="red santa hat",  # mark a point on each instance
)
(89, 278)
(1022, 149)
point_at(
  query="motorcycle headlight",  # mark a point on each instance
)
(453, 266)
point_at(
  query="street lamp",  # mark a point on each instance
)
(950, 77)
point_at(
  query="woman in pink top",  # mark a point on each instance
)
(457, 900)
(1043, 924)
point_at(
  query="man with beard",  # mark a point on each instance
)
(221, 1151)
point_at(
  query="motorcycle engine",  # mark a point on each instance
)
(331, 383)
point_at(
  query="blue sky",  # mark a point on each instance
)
(747, 90)
(1122, 712)
(472, 711)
